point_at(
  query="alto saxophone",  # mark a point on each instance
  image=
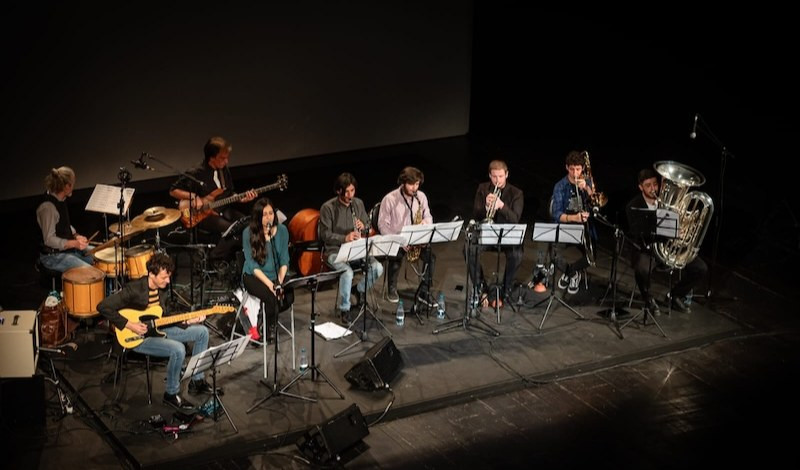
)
(412, 255)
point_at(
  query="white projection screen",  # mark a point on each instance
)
(93, 87)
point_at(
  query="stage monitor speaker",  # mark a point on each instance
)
(19, 343)
(380, 366)
(337, 440)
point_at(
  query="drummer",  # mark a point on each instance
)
(62, 248)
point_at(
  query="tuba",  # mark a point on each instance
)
(412, 255)
(694, 209)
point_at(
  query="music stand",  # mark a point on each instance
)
(470, 305)
(377, 245)
(212, 358)
(312, 283)
(652, 222)
(498, 235)
(428, 234)
(613, 313)
(556, 233)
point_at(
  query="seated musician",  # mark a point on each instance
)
(571, 206)
(504, 202)
(406, 205)
(343, 219)
(62, 247)
(217, 184)
(642, 258)
(266, 261)
(150, 291)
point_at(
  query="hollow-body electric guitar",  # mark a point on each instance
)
(151, 317)
(191, 217)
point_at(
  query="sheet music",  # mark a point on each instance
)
(666, 223)
(513, 234)
(330, 330)
(420, 234)
(105, 198)
(380, 245)
(544, 232)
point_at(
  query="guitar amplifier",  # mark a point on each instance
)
(19, 343)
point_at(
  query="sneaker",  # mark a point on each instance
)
(254, 333)
(652, 307)
(177, 402)
(344, 316)
(196, 387)
(678, 304)
(574, 283)
(563, 281)
(392, 295)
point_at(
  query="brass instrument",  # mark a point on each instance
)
(493, 208)
(412, 255)
(694, 209)
(597, 199)
(588, 244)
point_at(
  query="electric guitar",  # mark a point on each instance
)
(191, 217)
(151, 317)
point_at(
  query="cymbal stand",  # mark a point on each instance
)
(472, 300)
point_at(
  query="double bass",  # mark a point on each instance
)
(303, 235)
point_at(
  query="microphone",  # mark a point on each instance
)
(693, 134)
(141, 164)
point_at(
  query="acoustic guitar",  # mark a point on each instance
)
(191, 217)
(151, 317)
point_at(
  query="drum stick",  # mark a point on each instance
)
(92, 237)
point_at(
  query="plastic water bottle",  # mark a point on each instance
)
(441, 307)
(303, 359)
(688, 299)
(400, 319)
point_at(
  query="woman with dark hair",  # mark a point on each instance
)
(266, 261)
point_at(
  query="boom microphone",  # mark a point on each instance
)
(693, 134)
(141, 163)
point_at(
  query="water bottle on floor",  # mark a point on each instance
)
(440, 309)
(303, 359)
(400, 318)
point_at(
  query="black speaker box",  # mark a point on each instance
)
(379, 367)
(335, 440)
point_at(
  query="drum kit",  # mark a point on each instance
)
(84, 287)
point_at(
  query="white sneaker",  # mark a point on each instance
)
(392, 296)
(563, 281)
(574, 283)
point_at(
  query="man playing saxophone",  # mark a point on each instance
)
(642, 258)
(406, 205)
(502, 203)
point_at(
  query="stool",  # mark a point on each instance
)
(47, 276)
(264, 333)
(122, 358)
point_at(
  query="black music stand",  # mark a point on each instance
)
(377, 245)
(472, 300)
(556, 233)
(212, 358)
(498, 236)
(427, 235)
(312, 283)
(614, 312)
(661, 223)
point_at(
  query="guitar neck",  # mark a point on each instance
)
(237, 197)
(183, 317)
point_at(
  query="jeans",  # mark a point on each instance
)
(346, 279)
(172, 346)
(66, 260)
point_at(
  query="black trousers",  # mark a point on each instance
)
(261, 291)
(217, 224)
(513, 261)
(393, 265)
(691, 274)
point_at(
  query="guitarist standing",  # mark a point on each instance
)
(150, 293)
(217, 184)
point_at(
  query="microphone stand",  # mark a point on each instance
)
(613, 313)
(124, 177)
(703, 127)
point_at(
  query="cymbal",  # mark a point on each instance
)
(127, 228)
(156, 217)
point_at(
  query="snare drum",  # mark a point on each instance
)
(109, 260)
(83, 289)
(136, 259)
